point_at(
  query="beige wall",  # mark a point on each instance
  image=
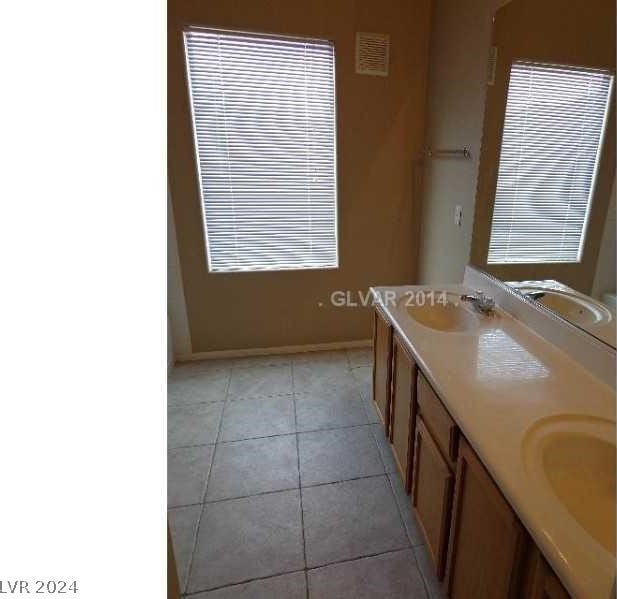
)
(577, 32)
(380, 133)
(178, 337)
(604, 279)
(460, 40)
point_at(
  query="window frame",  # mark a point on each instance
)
(198, 171)
(597, 166)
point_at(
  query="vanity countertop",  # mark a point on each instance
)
(500, 381)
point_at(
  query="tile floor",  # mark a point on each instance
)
(281, 483)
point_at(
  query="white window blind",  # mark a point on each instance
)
(264, 124)
(553, 130)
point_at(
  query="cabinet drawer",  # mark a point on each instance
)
(431, 495)
(436, 418)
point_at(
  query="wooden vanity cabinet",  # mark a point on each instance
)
(487, 542)
(472, 534)
(382, 366)
(435, 451)
(551, 589)
(173, 583)
(403, 410)
(540, 582)
(431, 495)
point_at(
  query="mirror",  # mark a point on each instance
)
(545, 203)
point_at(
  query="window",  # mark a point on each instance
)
(264, 123)
(552, 135)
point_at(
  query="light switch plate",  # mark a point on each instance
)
(458, 215)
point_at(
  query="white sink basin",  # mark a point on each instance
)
(574, 459)
(448, 316)
(579, 310)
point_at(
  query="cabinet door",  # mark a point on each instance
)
(487, 542)
(382, 366)
(173, 584)
(540, 582)
(431, 495)
(403, 411)
(552, 588)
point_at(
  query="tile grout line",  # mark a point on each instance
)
(312, 430)
(379, 448)
(398, 510)
(229, 398)
(391, 475)
(261, 493)
(241, 582)
(427, 587)
(427, 591)
(204, 504)
(357, 388)
(293, 388)
(305, 570)
(357, 385)
(176, 373)
(360, 557)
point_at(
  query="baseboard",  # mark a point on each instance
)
(265, 351)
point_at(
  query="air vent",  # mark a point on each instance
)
(372, 54)
(492, 65)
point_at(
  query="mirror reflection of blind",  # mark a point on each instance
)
(264, 124)
(553, 129)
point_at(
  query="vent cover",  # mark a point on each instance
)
(492, 65)
(372, 54)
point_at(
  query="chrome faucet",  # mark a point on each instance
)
(481, 302)
(535, 295)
